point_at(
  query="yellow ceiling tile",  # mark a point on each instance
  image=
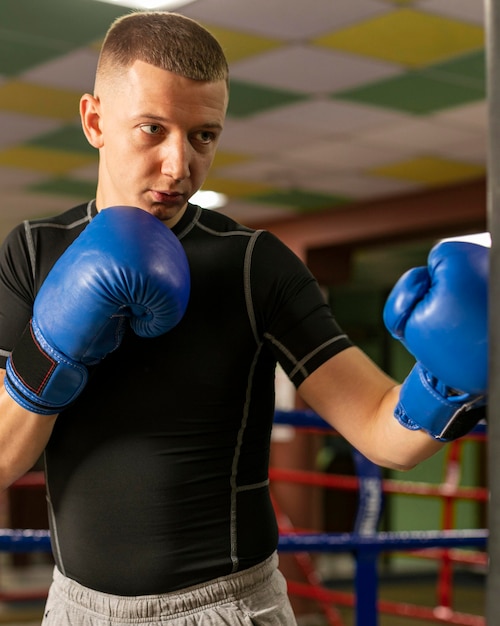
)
(49, 161)
(222, 159)
(408, 37)
(431, 170)
(236, 188)
(238, 45)
(40, 101)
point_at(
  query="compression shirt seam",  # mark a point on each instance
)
(192, 224)
(263, 483)
(234, 470)
(31, 249)
(54, 538)
(247, 284)
(29, 227)
(300, 366)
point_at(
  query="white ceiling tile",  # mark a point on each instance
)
(74, 71)
(301, 21)
(473, 115)
(471, 151)
(341, 155)
(266, 171)
(419, 134)
(250, 136)
(327, 117)
(17, 207)
(13, 178)
(88, 173)
(467, 10)
(359, 186)
(19, 128)
(245, 211)
(309, 69)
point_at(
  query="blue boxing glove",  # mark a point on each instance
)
(440, 314)
(125, 267)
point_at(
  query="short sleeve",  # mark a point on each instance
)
(291, 310)
(16, 290)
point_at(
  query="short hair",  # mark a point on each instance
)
(166, 40)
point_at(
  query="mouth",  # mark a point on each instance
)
(167, 197)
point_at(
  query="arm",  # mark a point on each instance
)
(23, 437)
(353, 395)
(440, 313)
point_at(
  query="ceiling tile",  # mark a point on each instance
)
(468, 69)
(17, 56)
(235, 188)
(474, 150)
(86, 173)
(12, 177)
(408, 37)
(58, 24)
(418, 135)
(341, 154)
(42, 160)
(466, 10)
(38, 100)
(67, 138)
(360, 186)
(305, 20)
(414, 92)
(253, 137)
(308, 69)
(473, 115)
(432, 170)
(248, 99)
(326, 117)
(238, 45)
(72, 72)
(243, 211)
(301, 200)
(77, 189)
(19, 128)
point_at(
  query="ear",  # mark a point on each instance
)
(90, 118)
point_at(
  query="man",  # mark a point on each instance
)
(144, 369)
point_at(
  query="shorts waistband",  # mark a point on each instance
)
(185, 601)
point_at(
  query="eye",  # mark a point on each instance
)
(205, 136)
(152, 129)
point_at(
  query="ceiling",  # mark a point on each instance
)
(333, 102)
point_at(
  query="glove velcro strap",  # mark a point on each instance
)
(39, 377)
(445, 417)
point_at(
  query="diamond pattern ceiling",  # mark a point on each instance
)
(332, 101)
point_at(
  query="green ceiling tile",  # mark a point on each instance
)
(18, 56)
(415, 92)
(68, 138)
(468, 69)
(61, 24)
(66, 187)
(247, 98)
(303, 201)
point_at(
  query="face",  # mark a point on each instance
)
(157, 133)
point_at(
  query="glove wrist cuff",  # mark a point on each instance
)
(40, 378)
(424, 404)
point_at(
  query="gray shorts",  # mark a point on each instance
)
(253, 597)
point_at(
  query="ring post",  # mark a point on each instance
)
(492, 20)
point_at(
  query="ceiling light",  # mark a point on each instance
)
(167, 5)
(209, 199)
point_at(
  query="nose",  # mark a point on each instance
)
(175, 159)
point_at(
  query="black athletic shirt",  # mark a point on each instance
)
(157, 475)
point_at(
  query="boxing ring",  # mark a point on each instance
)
(365, 543)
